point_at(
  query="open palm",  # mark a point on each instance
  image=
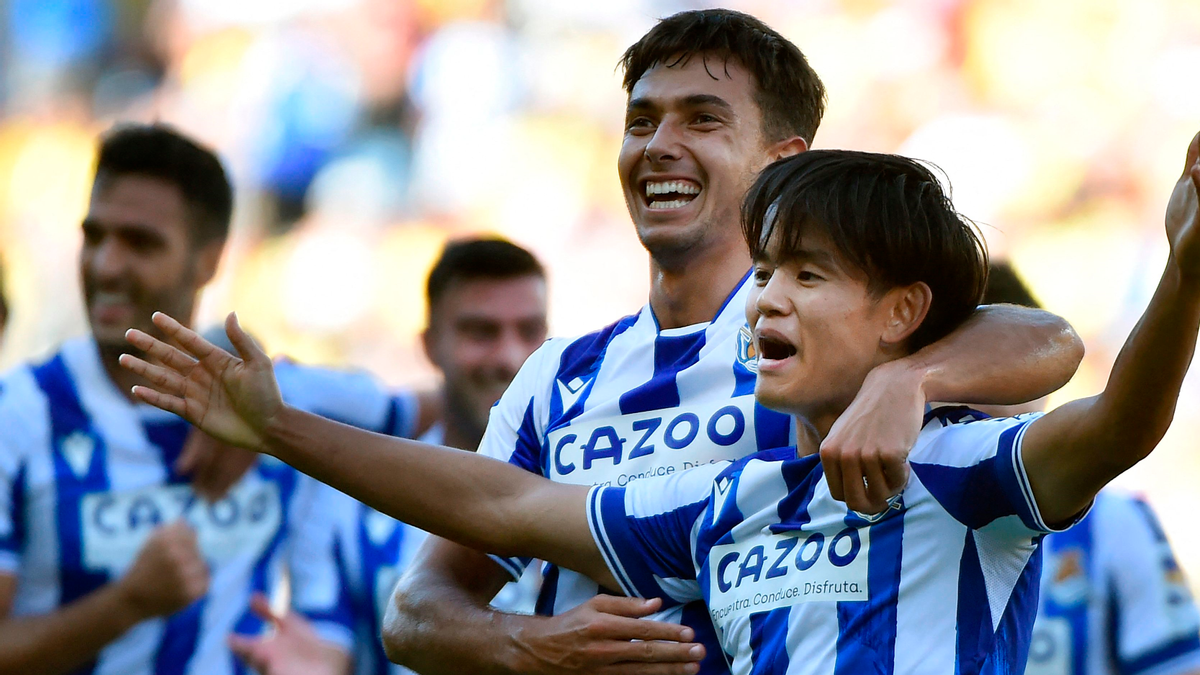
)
(1183, 214)
(232, 399)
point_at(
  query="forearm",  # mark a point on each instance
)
(1002, 355)
(407, 480)
(60, 642)
(439, 621)
(1138, 403)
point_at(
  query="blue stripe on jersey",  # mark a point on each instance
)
(548, 594)
(342, 610)
(395, 424)
(867, 630)
(672, 353)
(169, 437)
(70, 424)
(14, 541)
(582, 359)
(1171, 650)
(768, 642)
(179, 638)
(973, 495)
(801, 477)
(975, 634)
(1011, 647)
(772, 429)
(525, 454)
(695, 615)
(260, 581)
(1076, 541)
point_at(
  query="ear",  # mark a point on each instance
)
(787, 147)
(208, 257)
(906, 307)
(429, 343)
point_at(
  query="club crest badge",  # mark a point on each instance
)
(747, 354)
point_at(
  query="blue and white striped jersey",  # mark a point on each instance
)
(945, 581)
(1114, 600)
(86, 475)
(628, 402)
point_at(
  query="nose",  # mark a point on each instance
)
(665, 144)
(106, 260)
(772, 300)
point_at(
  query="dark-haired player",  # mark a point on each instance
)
(859, 260)
(487, 313)
(1113, 598)
(110, 562)
(713, 97)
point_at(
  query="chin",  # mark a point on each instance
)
(774, 397)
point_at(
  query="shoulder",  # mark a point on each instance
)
(960, 436)
(23, 408)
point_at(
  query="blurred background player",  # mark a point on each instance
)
(713, 97)
(487, 314)
(1113, 598)
(109, 562)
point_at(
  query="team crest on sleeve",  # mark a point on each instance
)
(747, 355)
(1069, 581)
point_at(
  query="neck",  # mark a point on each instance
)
(692, 291)
(461, 430)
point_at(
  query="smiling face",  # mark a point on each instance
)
(818, 329)
(692, 147)
(138, 257)
(480, 333)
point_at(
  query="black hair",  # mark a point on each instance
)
(887, 216)
(159, 151)
(479, 258)
(789, 93)
(1004, 286)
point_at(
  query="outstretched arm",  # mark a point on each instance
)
(1074, 451)
(497, 507)
(1001, 355)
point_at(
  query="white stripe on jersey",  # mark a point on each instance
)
(944, 581)
(1113, 598)
(85, 476)
(628, 402)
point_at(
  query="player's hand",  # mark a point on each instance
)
(872, 438)
(168, 574)
(292, 648)
(1183, 215)
(605, 636)
(232, 399)
(214, 466)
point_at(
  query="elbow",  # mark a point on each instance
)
(1065, 348)
(400, 626)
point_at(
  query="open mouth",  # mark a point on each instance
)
(774, 349)
(669, 194)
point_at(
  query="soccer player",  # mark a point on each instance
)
(108, 560)
(487, 314)
(859, 260)
(1113, 599)
(714, 96)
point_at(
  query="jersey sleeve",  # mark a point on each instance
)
(1156, 628)
(973, 467)
(320, 591)
(14, 445)
(515, 428)
(351, 397)
(646, 532)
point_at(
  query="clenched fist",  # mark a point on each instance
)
(168, 574)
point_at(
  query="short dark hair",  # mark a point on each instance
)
(887, 215)
(789, 93)
(159, 151)
(479, 258)
(1005, 287)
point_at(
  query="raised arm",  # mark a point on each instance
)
(496, 507)
(1001, 355)
(1075, 450)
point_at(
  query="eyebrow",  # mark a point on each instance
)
(823, 258)
(690, 101)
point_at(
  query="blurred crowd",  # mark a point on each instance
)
(361, 134)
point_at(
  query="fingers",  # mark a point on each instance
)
(621, 653)
(189, 339)
(877, 489)
(853, 487)
(245, 345)
(1193, 155)
(636, 668)
(172, 404)
(261, 606)
(250, 651)
(623, 606)
(165, 379)
(831, 462)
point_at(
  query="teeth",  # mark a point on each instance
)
(671, 186)
(673, 204)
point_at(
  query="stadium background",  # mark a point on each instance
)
(363, 133)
